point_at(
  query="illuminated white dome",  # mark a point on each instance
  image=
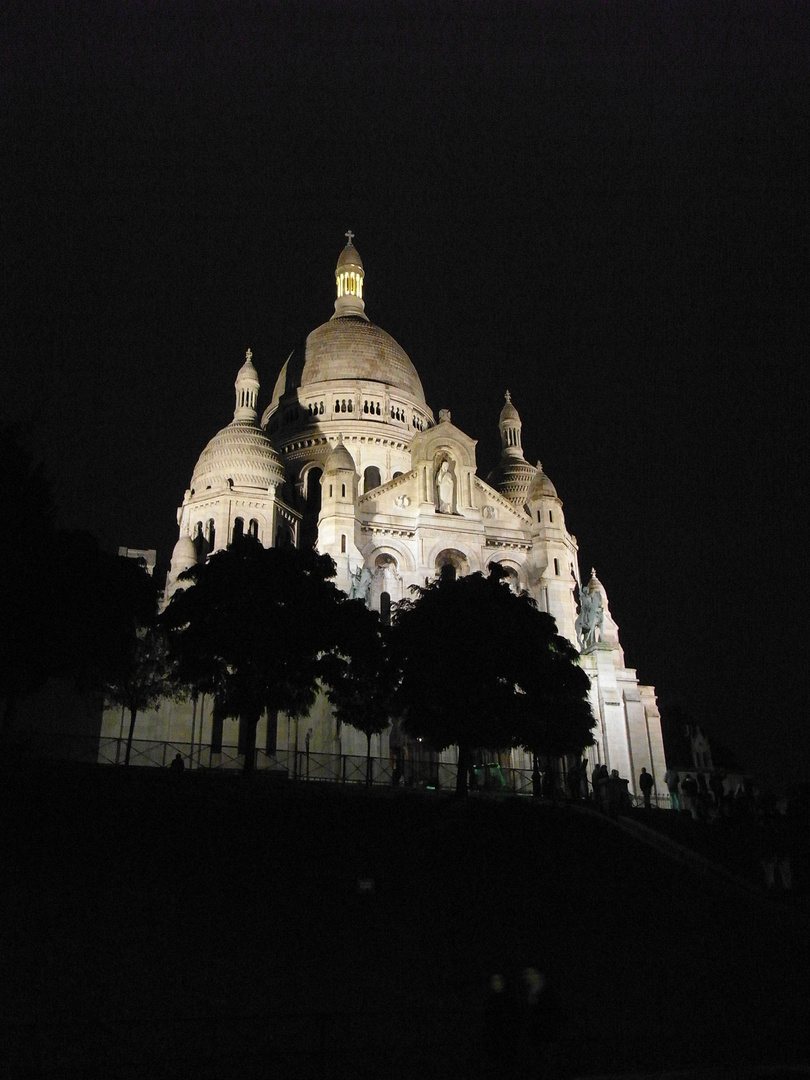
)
(239, 456)
(350, 358)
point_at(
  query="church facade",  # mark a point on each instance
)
(349, 457)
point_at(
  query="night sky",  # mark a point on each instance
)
(601, 206)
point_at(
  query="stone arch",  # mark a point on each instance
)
(452, 557)
(517, 576)
(371, 478)
(311, 491)
(470, 557)
(399, 552)
(311, 486)
(387, 579)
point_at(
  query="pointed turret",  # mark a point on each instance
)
(338, 522)
(349, 278)
(512, 476)
(510, 425)
(247, 391)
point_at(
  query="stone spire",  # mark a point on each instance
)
(510, 425)
(513, 475)
(349, 278)
(247, 391)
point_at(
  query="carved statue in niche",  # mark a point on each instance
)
(445, 484)
(360, 586)
(591, 618)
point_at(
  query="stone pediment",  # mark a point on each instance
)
(446, 438)
(501, 509)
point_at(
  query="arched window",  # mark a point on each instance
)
(557, 567)
(312, 489)
(371, 478)
(238, 529)
(454, 559)
(284, 536)
(342, 544)
(253, 528)
(210, 534)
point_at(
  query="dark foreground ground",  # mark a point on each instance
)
(218, 928)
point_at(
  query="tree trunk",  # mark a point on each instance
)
(463, 768)
(537, 779)
(250, 724)
(133, 712)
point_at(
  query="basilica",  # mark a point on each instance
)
(348, 456)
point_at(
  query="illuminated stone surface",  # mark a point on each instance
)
(371, 478)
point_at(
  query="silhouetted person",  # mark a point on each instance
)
(672, 780)
(689, 794)
(601, 781)
(573, 781)
(583, 778)
(645, 782)
(178, 765)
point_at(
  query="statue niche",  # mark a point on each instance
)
(360, 584)
(590, 620)
(445, 488)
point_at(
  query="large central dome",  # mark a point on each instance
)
(349, 355)
(348, 348)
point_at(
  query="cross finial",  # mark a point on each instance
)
(349, 235)
(508, 397)
(249, 355)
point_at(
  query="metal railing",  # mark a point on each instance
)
(304, 765)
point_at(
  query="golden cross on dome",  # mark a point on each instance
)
(249, 355)
(349, 235)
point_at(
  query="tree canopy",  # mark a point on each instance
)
(252, 630)
(70, 608)
(361, 678)
(481, 666)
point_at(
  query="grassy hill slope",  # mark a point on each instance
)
(214, 927)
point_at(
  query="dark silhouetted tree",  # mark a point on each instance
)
(360, 679)
(482, 667)
(142, 678)
(253, 629)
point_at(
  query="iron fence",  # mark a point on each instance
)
(300, 765)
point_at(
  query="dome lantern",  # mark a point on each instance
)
(247, 391)
(510, 425)
(349, 278)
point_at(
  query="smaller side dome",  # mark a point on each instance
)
(541, 486)
(339, 460)
(183, 555)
